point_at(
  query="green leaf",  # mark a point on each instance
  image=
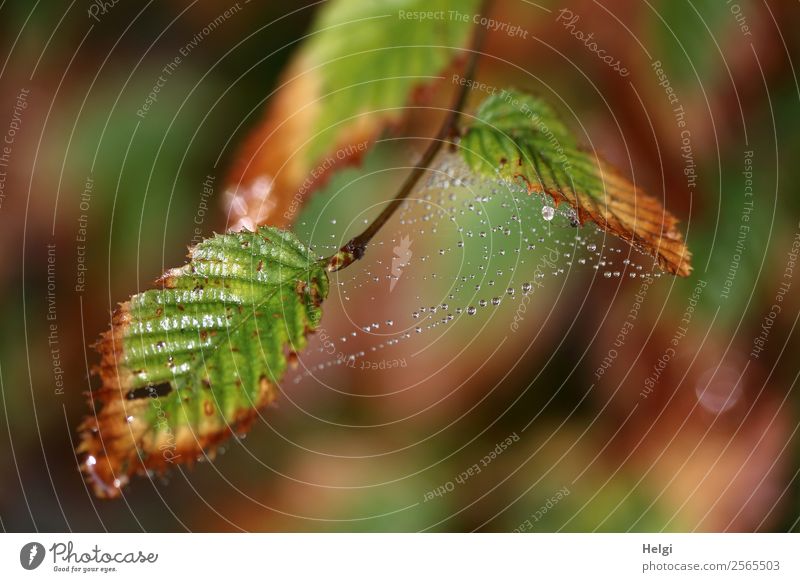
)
(372, 54)
(188, 364)
(356, 74)
(516, 136)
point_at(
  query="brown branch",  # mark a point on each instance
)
(357, 246)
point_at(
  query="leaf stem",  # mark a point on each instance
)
(357, 246)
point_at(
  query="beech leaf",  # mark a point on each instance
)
(517, 136)
(188, 364)
(362, 64)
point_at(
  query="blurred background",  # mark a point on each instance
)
(684, 421)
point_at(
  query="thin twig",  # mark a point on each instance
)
(357, 246)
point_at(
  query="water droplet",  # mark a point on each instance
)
(471, 310)
(548, 212)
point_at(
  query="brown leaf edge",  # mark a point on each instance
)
(114, 442)
(629, 213)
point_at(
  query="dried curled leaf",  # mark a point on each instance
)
(189, 364)
(518, 136)
(352, 78)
